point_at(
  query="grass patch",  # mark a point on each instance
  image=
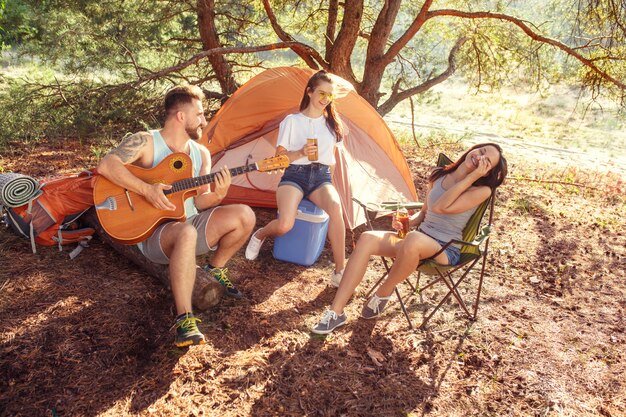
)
(556, 118)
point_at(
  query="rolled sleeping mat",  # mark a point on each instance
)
(17, 189)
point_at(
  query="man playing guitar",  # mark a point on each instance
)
(208, 226)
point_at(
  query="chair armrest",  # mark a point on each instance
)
(370, 214)
(392, 205)
(363, 205)
(371, 207)
(372, 210)
(478, 240)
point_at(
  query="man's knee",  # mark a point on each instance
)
(238, 216)
(177, 235)
(247, 216)
(185, 232)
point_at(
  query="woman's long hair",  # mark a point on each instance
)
(493, 179)
(330, 112)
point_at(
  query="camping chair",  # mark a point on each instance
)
(473, 238)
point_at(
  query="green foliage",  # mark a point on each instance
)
(119, 37)
(522, 205)
(46, 107)
(97, 50)
(15, 26)
(93, 47)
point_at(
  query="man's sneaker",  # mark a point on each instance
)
(220, 275)
(374, 307)
(187, 332)
(335, 278)
(253, 248)
(329, 322)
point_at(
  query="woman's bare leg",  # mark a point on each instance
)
(416, 246)
(287, 199)
(327, 198)
(370, 243)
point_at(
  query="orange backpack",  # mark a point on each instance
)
(51, 218)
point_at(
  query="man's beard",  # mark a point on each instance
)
(193, 133)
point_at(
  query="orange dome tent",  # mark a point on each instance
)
(370, 165)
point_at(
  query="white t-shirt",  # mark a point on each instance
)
(296, 128)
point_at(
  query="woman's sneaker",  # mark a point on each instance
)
(329, 322)
(187, 332)
(335, 278)
(254, 247)
(374, 307)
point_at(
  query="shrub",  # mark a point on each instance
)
(34, 110)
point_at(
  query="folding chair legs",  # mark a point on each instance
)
(406, 313)
(452, 290)
(482, 275)
(450, 283)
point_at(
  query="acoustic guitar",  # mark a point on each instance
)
(129, 218)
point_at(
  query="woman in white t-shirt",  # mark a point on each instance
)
(306, 178)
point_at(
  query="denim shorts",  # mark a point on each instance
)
(452, 252)
(306, 178)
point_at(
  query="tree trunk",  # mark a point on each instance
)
(333, 12)
(345, 41)
(375, 65)
(207, 292)
(210, 40)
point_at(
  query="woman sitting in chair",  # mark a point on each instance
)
(454, 193)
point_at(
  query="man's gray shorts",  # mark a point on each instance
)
(151, 247)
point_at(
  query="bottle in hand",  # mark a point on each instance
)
(402, 216)
(312, 141)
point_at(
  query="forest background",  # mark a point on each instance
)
(545, 78)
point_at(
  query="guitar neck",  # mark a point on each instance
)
(197, 182)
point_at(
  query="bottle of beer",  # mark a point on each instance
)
(402, 216)
(312, 139)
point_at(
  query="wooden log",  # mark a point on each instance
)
(207, 292)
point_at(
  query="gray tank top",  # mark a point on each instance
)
(444, 227)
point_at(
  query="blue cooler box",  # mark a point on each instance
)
(303, 244)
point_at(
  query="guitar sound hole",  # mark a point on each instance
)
(178, 164)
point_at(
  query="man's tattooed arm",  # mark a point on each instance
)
(128, 151)
(129, 148)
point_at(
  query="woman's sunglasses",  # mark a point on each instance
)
(327, 96)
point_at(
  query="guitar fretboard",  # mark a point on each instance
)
(196, 182)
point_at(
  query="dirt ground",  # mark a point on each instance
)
(92, 336)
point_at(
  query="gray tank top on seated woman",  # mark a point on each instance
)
(444, 227)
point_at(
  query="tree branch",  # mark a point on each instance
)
(573, 184)
(394, 99)
(309, 59)
(210, 40)
(189, 40)
(417, 24)
(217, 51)
(533, 35)
(346, 40)
(62, 95)
(132, 58)
(382, 29)
(206, 292)
(333, 11)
